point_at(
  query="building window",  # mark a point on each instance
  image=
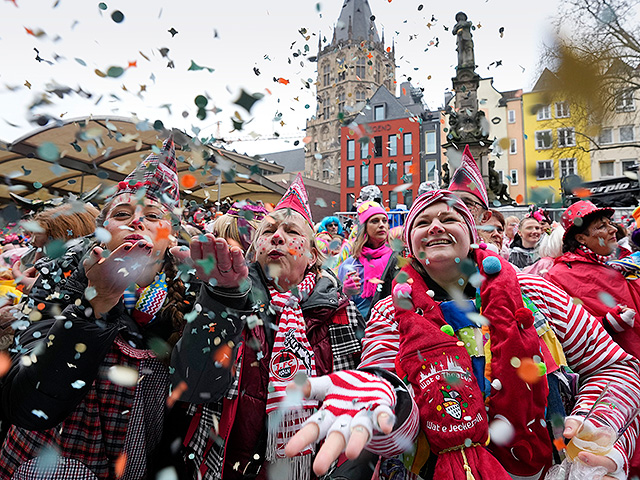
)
(326, 170)
(342, 97)
(377, 73)
(393, 145)
(364, 149)
(393, 173)
(626, 133)
(364, 175)
(627, 164)
(513, 146)
(377, 173)
(351, 149)
(606, 136)
(566, 137)
(351, 176)
(407, 146)
(606, 169)
(360, 96)
(543, 139)
(378, 113)
(315, 146)
(377, 147)
(431, 170)
(326, 75)
(430, 142)
(544, 169)
(562, 110)
(624, 102)
(326, 108)
(350, 201)
(408, 198)
(407, 177)
(360, 68)
(511, 116)
(544, 112)
(393, 200)
(568, 167)
(514, 177)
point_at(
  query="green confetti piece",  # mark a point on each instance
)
(48, 151)
(55, 248)
(117, 16)
(102, 6)
(115, 72)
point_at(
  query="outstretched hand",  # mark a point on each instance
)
(111, 275)
(571, 427)
(214, 259)
(348, 424)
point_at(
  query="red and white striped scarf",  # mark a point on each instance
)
(291, 355)
(591, 255)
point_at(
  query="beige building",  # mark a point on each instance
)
(350, 70)
(615, 148)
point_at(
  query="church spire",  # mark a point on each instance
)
(356, 22)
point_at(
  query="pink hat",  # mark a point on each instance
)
(580, 210)
(467, 178)
(157, 174)
(429, 198)
(367, 210)
(296, 199)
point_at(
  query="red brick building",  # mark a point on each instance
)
(384, 149)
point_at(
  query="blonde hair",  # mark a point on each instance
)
(551, 245)
(67, 221)
(280, 216)
(226, 226)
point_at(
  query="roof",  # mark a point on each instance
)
(96, 151)
(357, 15)
(291, 160)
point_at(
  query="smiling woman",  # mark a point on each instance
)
(367, 274)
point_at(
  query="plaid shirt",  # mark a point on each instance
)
(206, 448)
(110, 420)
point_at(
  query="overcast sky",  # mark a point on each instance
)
(79, 40)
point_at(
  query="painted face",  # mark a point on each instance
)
(600, 236)
(530, 232)
(511, 227)
(378, 229)
(284, 250)
(130, 221)
(492, 232)
(440, 236)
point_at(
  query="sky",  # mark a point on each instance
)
(261, 47)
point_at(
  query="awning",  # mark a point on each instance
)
(77, 155)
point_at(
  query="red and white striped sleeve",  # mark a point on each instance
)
(590, 352)
(381, 340)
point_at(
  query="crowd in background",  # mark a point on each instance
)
(225, 341)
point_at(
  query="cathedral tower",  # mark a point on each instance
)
(350, 70)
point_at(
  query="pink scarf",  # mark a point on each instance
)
(292, 354)
(374, 261)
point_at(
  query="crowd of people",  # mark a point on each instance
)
(250, 342)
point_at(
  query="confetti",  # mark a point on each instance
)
(117, 16)
(120, 465)
(123, 376)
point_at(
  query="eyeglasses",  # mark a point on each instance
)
(332, 225)
(469, 203)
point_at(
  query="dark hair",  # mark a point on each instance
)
(570, 243)
(176, 304)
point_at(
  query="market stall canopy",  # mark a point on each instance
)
(78, 155)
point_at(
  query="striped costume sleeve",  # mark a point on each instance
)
(381, 340)
(590, 352)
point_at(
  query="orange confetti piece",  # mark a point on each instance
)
(223, 356)
(388, 49)
(528, 371)
(133, 64)
(41, 306)
(67, 274)
(188, 181)
(163, 233)
(5, 363)
(176, 393)
(29, 31)
(582, 192)
(307, 139)
(559, 444)
(268, 91)
(283, 81)
(519, 199)
(120, 465)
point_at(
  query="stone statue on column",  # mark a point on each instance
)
(464, 41)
